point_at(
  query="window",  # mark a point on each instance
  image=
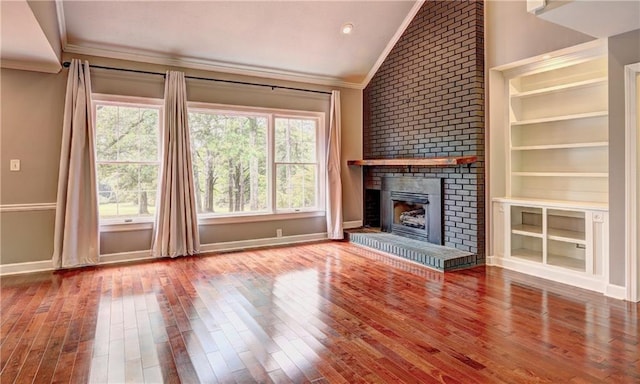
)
(250, 161)
(127, 157)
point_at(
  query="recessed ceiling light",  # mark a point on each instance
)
(347, 28)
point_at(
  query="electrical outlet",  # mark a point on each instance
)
(279, 232)
(14, 165)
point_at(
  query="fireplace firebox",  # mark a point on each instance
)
(412, 207)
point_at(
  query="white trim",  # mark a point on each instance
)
(124, 257)
(543, 271)
(62, 23)
(27, 207)
(211, 65)
(616, 291)
(256, 217)
(631, 182)
(28, 267)
(392, 43)
(352, 224)
(125, 227)
(256, 243)
(560, 58)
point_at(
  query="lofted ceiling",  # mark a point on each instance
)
(292, 40)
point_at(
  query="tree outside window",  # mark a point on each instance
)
(127, 158)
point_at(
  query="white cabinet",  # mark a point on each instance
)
(565, 244)
(549, 116)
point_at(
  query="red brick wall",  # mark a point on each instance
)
(427, 100)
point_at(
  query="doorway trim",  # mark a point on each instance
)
(631, 71)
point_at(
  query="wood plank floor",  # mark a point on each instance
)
(318, 313)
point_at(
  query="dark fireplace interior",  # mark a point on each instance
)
(412, 207)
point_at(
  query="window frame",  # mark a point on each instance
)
(128, 223)
(272, 213)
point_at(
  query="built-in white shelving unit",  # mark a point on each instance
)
(552, 221)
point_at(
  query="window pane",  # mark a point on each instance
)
(295, 140)
(127, 133)
(296, 186)
(229, 154)
(126, 189)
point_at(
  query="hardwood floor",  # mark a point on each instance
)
(319, 313)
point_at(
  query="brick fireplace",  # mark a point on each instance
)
(427, 100)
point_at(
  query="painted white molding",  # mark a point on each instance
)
(631, 182)
(616, 291)
(28, 267)
(558, 275)
(62, 23)
(27, 207)
(352, 224)
(392, 43)
(256, 243)
(210, 65)
(125, 227)
(123, 257)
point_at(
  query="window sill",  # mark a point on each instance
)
(258, 217)
(121, 226)
(144, 225)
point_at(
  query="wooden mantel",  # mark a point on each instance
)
(424, 162)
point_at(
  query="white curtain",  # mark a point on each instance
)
(75, 241)
(334, 183)
(176, 224)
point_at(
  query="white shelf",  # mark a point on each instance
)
(561, 174)
(540, 203)
(561, 146)
(567, 236)
(561, 118)
(562, 87)
(527, 230)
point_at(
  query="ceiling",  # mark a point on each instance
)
(292, 40)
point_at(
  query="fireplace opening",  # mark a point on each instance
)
(412, 207)
(409, 215)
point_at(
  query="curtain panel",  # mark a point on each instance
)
(334, 183)
(76, 235)
(176, 223)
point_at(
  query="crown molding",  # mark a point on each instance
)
(210, 65)
(62, 24)
(392, 43)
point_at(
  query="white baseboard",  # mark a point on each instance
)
(28, 267)
(616, 291)
(255, 243)
(352, 224)
(112, 258)
(554, 274)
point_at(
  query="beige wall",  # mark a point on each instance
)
(511, 33)
(32, 109)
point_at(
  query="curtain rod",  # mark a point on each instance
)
(66, 64)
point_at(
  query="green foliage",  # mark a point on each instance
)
(127, 156)
(229, 155)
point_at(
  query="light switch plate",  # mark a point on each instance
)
(14, 165)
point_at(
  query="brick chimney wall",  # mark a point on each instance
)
(427, 100)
